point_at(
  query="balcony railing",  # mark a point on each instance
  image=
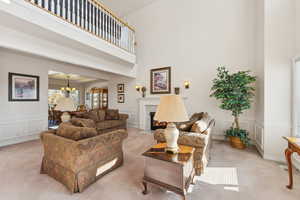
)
(93, 17)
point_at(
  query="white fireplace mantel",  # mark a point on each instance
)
(143, 104)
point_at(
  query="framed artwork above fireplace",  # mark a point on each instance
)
(160, 80)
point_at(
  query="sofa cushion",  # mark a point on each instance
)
(69, 131)
(92, 114)
(81, 122)
(112, 114)
(109, 124)
(101, 114)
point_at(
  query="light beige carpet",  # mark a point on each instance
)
(232, 175)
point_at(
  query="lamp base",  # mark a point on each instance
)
(65, 117)
(171, 135)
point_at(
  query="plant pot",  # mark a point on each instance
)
(237, 143)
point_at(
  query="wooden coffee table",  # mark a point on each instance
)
(173, 172)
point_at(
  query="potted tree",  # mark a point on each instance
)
(235, 92)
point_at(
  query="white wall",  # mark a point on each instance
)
(130, 106)
(280, 48)
(22, 121)
(194, 37)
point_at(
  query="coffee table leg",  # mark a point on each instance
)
(145, 188)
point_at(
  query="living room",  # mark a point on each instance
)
(188, 41)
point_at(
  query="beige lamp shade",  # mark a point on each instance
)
(65, 104)
(171, 109)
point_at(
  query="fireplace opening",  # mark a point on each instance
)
(155, 124)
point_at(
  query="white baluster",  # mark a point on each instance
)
(78, 13)
(52, 6)
(69, 10)
(90, 18)
(63, 9)
(46, 4)
(73, 10)
(58, 7)
(82, 17)
(93, 18)
(97, 21)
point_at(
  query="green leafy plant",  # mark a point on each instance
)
(235, 91)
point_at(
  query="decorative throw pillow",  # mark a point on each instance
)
(112, 114)
(81, 122)
(199, 126)
(75, 133)
(196, 116)
(92, 114)
(101, 114)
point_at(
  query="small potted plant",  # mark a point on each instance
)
(236, 92)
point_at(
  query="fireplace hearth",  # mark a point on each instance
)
(155, 124)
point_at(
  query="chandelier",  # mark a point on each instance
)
(68, 88)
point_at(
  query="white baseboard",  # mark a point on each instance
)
(17, 140)
(296, 162)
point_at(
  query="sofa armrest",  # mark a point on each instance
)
(123, 116)
(61, 150)
(196, 140)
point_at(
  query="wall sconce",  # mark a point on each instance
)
(141, 89)
(187, 84)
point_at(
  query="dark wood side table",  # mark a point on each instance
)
(293, 146)
(173, 172)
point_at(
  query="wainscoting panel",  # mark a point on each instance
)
(23, 128)
(133, 118)
(259, 137)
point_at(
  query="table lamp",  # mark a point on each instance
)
(171, 109)
(65, 105)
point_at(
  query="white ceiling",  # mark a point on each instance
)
(72, 77)
(124, 7)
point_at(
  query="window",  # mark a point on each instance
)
(54, 95)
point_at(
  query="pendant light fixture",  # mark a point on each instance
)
(68, 88)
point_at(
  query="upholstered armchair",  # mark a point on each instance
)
(200, 139)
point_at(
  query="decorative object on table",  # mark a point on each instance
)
(187, 84)
(121, 88)
(65, 105)
(23, 87)
(142, 89)
(177, 90)
(174, 172)
(236, 92)
(293, 147)
(171, 109)
(161, 81)
(200, 138)
(121, 98)
(68, 88)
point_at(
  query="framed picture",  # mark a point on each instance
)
(121, 98)
(23, 87)
(161, 80)
(121, 88)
